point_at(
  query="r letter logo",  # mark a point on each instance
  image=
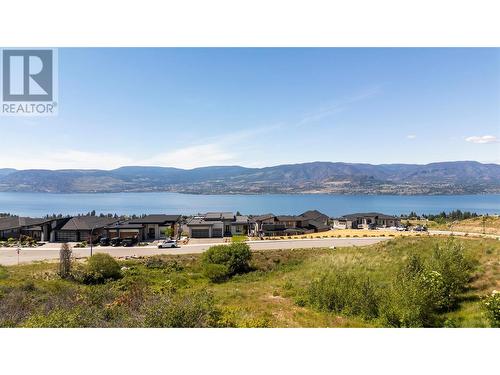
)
(28, 82)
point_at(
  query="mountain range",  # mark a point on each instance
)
(460, 177)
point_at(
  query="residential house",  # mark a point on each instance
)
(365, 221)
(40, 229)
(286, 225)
(155, 226)
(316, 216)
(242, 225)
(218, 225)
(80, 228)
(125, 230)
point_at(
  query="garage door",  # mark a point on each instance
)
(66, 236)
(199, 233)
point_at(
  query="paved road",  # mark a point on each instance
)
(8, 256)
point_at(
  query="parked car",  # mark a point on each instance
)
(167, 244)
(420, 228)
(401, 228)
(116, 241)
(129, 241)
(372, 226)
(104, 241)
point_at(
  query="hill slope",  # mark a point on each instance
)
(463, 177)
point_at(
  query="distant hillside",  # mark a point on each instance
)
(6, 171)
(461, 177)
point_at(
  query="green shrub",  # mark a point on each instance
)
(223, 261)
(216, 272)
(346, 292)
(100, 268)
(492, 306)
(409, 302)
(190, 310)
(455, 270)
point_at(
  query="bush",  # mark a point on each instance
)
(409, 302)
(492, 306)
(216, 272)
(223, 261)
(455, 270)
(345, 292)
(101, 268)
(190, 310)
(421, 289)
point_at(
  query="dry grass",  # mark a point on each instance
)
(337, 233)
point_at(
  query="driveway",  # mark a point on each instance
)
(9, 256)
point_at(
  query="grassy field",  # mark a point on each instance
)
(338, 233)
(488, 225)
(172, 290)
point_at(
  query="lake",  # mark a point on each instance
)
(40, 204)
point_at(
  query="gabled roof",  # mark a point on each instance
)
(88, 222)
(241, 219)
(156, 219)
(314, 215)
(318, 225)
(197, 221)
(124, 225)
(15, 222)
(263, 217)
(219, 216)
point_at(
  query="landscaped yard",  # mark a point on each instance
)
(411, 281)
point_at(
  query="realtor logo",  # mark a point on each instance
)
(29, 82)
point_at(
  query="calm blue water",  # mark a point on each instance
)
(40, 204)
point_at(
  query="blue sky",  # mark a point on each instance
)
(260, 107)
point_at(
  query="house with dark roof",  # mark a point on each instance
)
(155, 226)
(316, 216)
(125, 229)
(40, 229)
(286, 225)
(366, 221)
(80, 228)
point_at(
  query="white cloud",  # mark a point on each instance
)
(192, 157)
(411, 136)
(480, 139)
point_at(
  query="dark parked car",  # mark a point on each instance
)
(129, 241)
(104, 241)
(420, 228)
(116, 241)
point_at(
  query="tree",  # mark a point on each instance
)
(169, 232)
(65, 261)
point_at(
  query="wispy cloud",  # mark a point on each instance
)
(65, 159)
(411, 136)
(223, 149)
(481, 139)
(337, 106)
(192, 157)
